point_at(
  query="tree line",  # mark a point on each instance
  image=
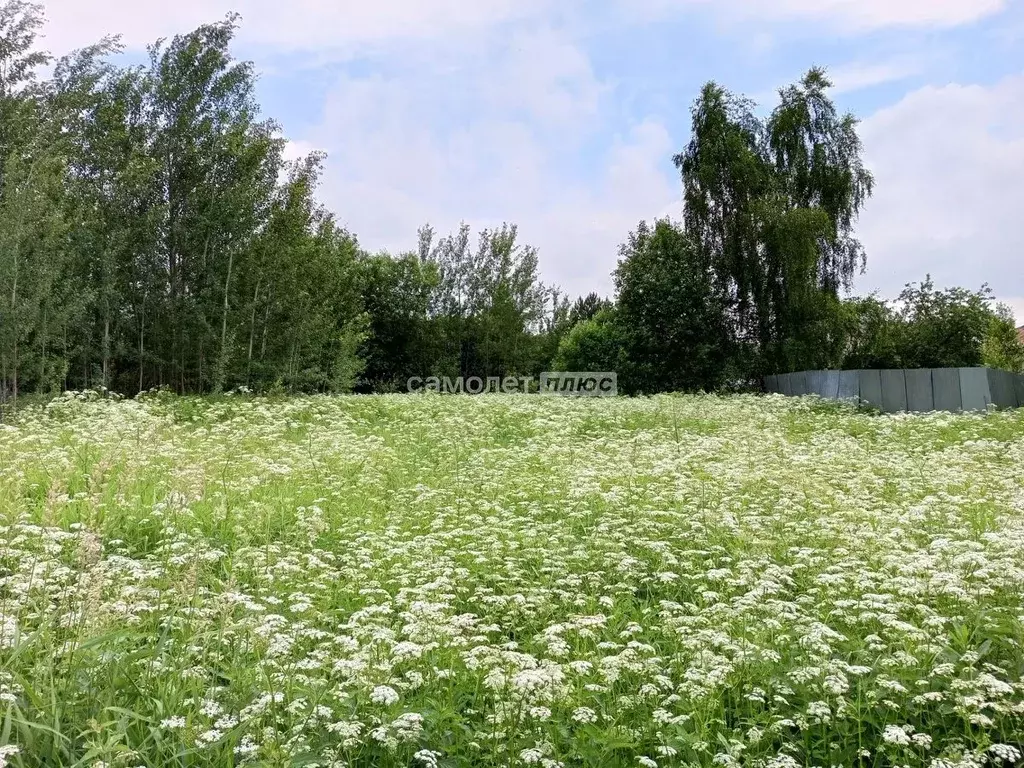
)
(153, 235)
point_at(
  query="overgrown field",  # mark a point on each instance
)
(507, 581)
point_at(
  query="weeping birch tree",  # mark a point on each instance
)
(772, 205)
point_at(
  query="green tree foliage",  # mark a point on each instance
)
(31, 170)
(218, 172)
(593, 344)
(1002, 347)
(929, 328)
(671, 313)
(300, 321)
(941, 328)
(396, 295)
(587, 307)
(771, 206)
(152, 235)
(490, 310)
(872, 335)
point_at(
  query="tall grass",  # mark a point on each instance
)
(509, 580)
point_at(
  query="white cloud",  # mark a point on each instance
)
(864, 74)
(294, 150)
(579, 233)
(872, 14)
(948, 163)
(347, 26)
(291, 25)
(846, 15)
(508, 144)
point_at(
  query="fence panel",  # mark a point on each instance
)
(871, 387)
(830, 388)
(849, 385)
(974, 391)
(946, 389)
(912, 389)
(920, 396)
(894, 390)
(1000, 384)
(798, 383)
(816, 383)
(786, 384)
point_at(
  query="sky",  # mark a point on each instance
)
(562, 116)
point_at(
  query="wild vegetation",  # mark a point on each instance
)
(509, 581)
(297, 578)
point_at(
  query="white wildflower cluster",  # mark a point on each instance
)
(8, 631)
(385, 695)
(584, 715)
(1006, 753)
(511, 580)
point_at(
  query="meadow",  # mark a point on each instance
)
(509, 580)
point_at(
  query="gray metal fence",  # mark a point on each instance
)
(908, 389)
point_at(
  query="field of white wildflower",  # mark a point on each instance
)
(509, 581)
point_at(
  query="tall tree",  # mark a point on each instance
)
(489, 303)
(771, 206)
(111, 195)
(302, 320)
(29, 170)
(396, 295)
(671, 315)
(1002, 346)
(587, 307)
(943, 329)
(219, 165)
(597, 344)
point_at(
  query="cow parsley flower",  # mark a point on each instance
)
(584, 715)
(384, 694)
